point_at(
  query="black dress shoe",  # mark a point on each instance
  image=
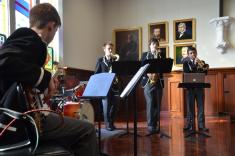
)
(187, 127)
(153, 130)
(110, 127)
(203, 129)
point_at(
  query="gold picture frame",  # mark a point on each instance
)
(180, 51)
(184, 30)
(165, 50)
(128, 43)
(162, 28)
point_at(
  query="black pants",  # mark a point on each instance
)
(110, 107)
(198, 95)
(153, 98)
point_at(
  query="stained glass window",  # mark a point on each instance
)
(22, 8)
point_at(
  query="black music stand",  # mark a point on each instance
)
(126, 68)
(159, 66)
(131, 87)
(190, 86)
(98, 88)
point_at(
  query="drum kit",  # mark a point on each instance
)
(70, 104)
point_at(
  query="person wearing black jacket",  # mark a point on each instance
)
(193, 65)
(104, 65)
(22, 59)
(153, 84)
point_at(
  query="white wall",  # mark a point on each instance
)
(83, 32)
(88, 23)
(138, 13)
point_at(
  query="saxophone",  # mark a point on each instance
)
(114, 57)
(153, 77)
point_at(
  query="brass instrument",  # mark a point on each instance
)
(116, 57)
(153, 77)
(202, 65)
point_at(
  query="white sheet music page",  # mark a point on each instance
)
(133, 81)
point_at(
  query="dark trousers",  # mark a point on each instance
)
(198, 95)
(77, 135)
(110, 106)
(153, 98)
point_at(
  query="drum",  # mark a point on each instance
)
(82, 110)
(78, 90)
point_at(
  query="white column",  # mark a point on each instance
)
(221, 24)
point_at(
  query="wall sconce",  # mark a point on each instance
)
(221, 24)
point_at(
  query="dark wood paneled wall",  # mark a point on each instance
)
(220, 98)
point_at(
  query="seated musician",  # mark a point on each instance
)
(22, 57)
(194, 65)
(153, 88)
(104, 65)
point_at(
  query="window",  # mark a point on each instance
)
(4, 18)
(22, 8)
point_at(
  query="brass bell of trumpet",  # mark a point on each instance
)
(202, 65)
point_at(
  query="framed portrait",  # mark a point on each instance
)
(160, 31)
(50, 58)
(184, 30)
(180, 52)
(128, 43)
(164, 50)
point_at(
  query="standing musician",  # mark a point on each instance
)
(153, 84)
(104, 65)
(194, 65)
(22, 57)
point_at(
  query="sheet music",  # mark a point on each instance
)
(133, 81)
(98, 85)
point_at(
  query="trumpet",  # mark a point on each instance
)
(202, 65)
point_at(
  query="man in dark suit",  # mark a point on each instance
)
(194, 65)
(153, 87)
(104, 65)
(182, 32)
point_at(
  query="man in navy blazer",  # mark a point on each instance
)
(153, 84)
(191, 65)
(104, 65)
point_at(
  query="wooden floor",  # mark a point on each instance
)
(221, 142)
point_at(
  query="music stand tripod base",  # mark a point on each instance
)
(127, 122)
